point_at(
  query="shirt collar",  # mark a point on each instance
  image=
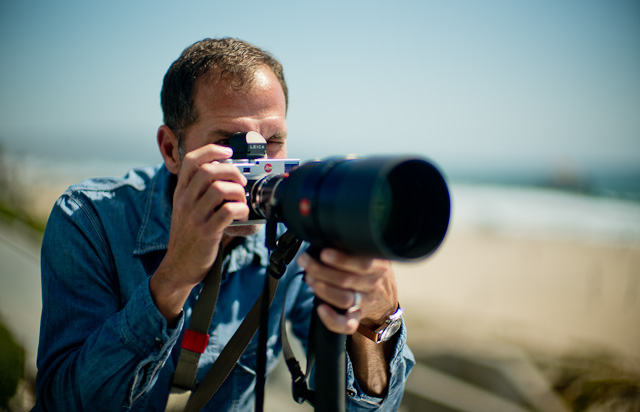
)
(250, 249)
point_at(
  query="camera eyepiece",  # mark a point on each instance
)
(249, 145)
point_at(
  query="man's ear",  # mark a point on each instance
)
(168, 145)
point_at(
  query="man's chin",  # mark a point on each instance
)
(242, 231)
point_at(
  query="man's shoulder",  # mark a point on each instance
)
(137, 179)
(116, 194)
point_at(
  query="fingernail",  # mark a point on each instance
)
(329, 256)
(352, 324)
(323, 310)
(303, 260)
(309, 280)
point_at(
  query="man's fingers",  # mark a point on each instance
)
(337, 287)
(346, 324)
(227, 213)
(217, 204)
(219, 192)
(336, 277)
(338, 297)
(345, 262)
(209, 195)
(207, 173)
(206, 160)
(207, 154)
(225, 171)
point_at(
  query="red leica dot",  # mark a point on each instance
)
(304, 207)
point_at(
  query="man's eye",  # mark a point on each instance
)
(223, 142)
(271, 145)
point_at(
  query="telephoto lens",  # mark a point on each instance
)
(392, 207)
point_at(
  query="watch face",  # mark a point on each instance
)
(391, 330)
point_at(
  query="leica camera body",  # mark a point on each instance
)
(249, 151)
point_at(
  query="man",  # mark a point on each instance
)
(123, 260)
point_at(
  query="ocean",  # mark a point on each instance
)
(601, 206)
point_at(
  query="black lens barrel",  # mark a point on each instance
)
(393, 207)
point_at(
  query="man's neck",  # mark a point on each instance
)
(226, 240)
(230, 242)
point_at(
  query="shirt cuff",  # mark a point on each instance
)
(143, 327)
(401, 363)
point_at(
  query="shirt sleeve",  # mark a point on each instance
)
(94, 353)
(401, 364)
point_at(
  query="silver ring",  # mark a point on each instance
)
(357, 298)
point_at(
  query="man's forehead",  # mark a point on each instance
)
(217, 91)
(227, 82)
(227, 133)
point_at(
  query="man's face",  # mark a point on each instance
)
(223, 111)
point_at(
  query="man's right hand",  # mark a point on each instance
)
(209, 196)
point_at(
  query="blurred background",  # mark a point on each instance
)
(531, 109)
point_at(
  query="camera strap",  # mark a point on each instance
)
(183, 396)
(299, 381)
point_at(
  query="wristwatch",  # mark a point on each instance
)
(389, 328)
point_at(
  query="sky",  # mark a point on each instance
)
(472, 85)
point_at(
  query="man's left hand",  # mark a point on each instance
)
(338, 277)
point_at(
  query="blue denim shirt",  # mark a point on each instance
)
(103, 343)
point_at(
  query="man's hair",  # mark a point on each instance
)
(235, 60)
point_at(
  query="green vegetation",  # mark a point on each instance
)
(12, 360)
(12, 202)
(11, 213)
(597, 381)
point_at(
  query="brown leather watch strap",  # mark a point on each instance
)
(368, 333)
(375, 335)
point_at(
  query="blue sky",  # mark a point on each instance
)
(470, 84)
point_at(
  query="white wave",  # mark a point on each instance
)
(544, 212)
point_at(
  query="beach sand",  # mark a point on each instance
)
(555, 293)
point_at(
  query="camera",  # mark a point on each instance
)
(393, 207)
(249, 150)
